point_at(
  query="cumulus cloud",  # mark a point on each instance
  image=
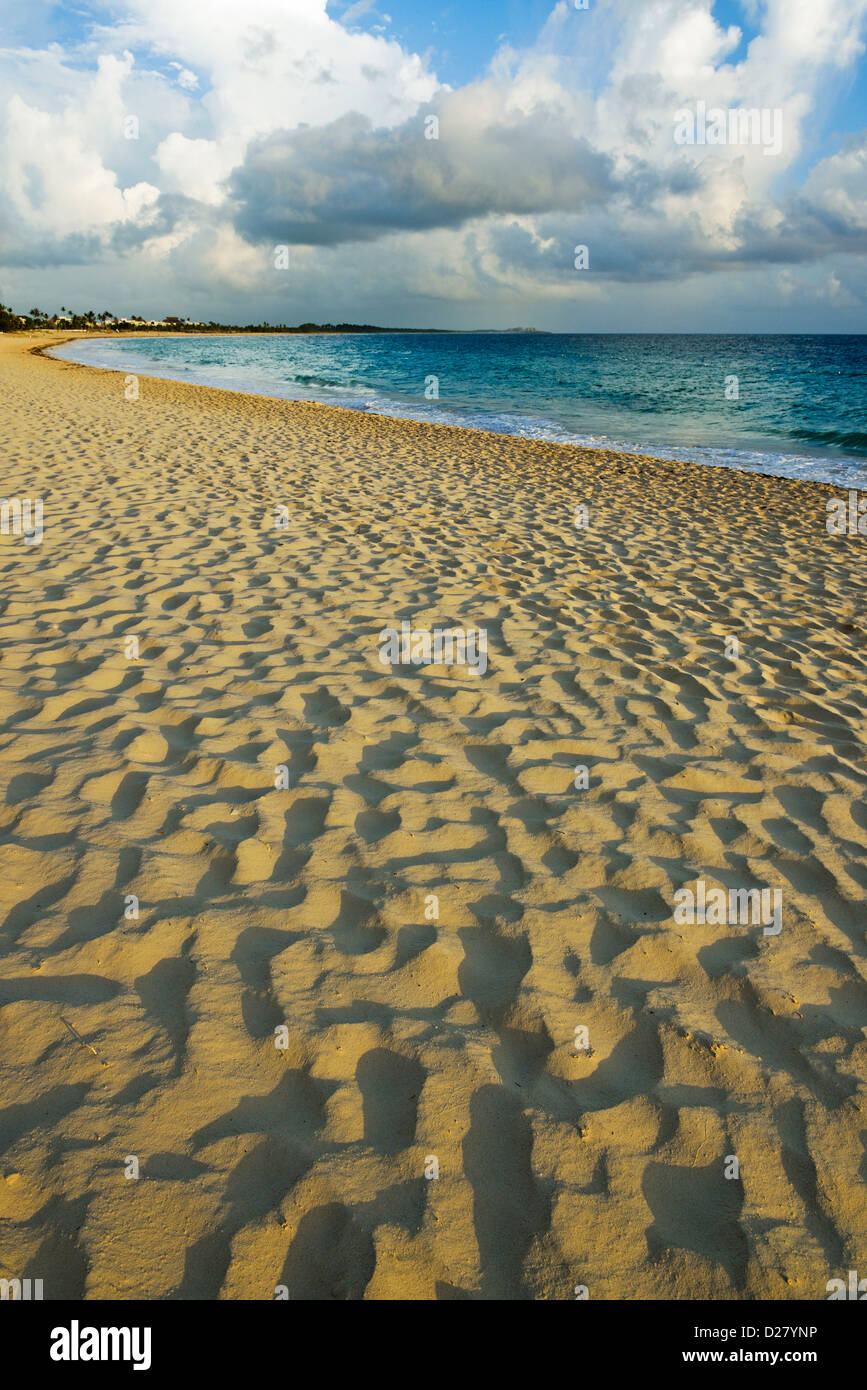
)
(54, 177)
(349, 182)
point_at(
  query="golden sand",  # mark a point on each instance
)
(418, 1043)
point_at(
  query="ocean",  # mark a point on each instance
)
(793, 406)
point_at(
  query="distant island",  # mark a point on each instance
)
(90, 320)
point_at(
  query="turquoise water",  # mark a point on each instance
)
(799, 413)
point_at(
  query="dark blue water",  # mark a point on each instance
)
(800, 408)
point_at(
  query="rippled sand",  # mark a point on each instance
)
(411, 1039)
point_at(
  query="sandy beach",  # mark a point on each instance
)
(304, 939)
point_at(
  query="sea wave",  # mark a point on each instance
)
(843, 439)
(307, 379)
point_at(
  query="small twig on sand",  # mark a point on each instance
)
(75, 1033)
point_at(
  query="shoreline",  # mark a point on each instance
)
(636, 452)
(244, 822)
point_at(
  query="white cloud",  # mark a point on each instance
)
(838, 185)
(185, 78)
(192, 167)
(53, 172)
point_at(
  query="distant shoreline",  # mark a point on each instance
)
(255, 332)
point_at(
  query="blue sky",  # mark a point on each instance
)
(302, 121)
(460, 37)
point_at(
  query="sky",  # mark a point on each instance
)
(420, 164)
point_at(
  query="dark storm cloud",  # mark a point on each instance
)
(350, 182)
